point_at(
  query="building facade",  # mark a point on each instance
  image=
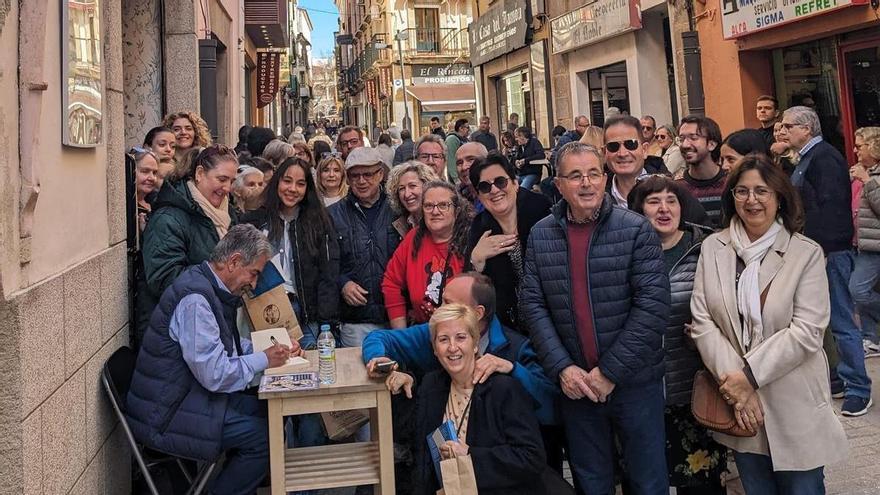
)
(404, 62)
(819, 54)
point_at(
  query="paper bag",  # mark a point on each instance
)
(343, 424)
(458, 476)
(268, 305)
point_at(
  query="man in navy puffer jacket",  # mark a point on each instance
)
(595, 297)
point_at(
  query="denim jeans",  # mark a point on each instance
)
(851, 369)
(353, 334)
(758, 478)
(635, 415)
(861, 287)
(527, 181)
(246, 443)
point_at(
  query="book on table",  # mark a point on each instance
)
(290, 382)
(264, 339)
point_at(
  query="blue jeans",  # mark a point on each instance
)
(839, 267)
(246, 443)
(758, 478)
(527, 181)
(635, 416)
(861, 287)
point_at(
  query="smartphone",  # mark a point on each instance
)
(385, 367)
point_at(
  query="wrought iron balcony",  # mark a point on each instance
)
(435, 42)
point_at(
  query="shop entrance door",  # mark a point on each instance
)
(860, 82)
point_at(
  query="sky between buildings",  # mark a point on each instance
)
(325, 20)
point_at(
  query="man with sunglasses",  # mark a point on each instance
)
(595, 300)
(366, 241)
(649, 135)
(701, 149)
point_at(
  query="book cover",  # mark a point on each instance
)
(289, 382)
(446, 431)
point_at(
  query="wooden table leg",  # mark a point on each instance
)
(276, 446)
(381, 430)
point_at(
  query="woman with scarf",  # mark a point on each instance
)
(760, 308)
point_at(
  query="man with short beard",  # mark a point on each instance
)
(350, 137)
(701, 149)
(464, 158)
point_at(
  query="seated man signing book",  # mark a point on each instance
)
(187, 395)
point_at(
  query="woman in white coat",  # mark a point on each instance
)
(760, 308)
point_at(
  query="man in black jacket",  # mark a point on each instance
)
(366, 242)
(581, 122)
(404, 151)
(595, 298)
(822, 178)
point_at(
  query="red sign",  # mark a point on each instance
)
(268, 67)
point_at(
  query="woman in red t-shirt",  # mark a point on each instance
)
(428, 256)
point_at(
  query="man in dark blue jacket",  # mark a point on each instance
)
(581, 122)
(366, 242)
(186, 396)
(503, 351)
(595, 298)
(822, 178)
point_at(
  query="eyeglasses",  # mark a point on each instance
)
(789, 127)
(661, 137)
(742, 193)
(614, 146)
(443, 207)
(356, 176)
(485, 187)
(350, 142)
(430, 156)
(578, 178)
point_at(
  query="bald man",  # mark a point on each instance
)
(464, 158)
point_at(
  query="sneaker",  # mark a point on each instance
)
(855, 406)
(871, 349)
(838, 389)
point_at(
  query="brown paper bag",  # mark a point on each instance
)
(458, 476)
(343, 424)
(272, 309)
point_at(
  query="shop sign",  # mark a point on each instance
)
(742, 17)
(502, 29)
(594, 22)
(442, 74)
(268, 66)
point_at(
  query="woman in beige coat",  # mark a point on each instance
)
(760, 308)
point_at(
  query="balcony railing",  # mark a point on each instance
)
(433, 42)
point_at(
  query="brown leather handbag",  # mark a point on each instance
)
(711, 410)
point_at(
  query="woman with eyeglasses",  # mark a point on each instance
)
(404, 189)
(694, 461)
(331, 184)
(190, 131)
(428, 256)
(189, 218)
(760, 309)
(528, 151)
(667, 138)
(499, 233)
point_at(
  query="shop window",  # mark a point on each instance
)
(514, 96)
(608, 88)
(806, 74)
(863, 68)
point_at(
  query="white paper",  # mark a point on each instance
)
(262, 340)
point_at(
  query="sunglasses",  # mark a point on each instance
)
(485, 187)
(614, 146)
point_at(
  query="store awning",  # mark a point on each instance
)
(444, 97)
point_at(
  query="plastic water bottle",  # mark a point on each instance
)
(326, 356)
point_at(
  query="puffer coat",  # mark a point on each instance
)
(869, 213)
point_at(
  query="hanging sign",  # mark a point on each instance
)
(268, 67)
(742, 17)
(594, 22)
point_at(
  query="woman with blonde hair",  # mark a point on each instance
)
(331, 183)
(594, 136)
(404, 190)
(865, 176)
(190, 130)
(494, 420)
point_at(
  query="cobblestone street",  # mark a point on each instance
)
(860, 474)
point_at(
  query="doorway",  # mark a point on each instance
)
(860, 84)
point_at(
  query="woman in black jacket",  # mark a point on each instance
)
(294, 219)
(499, 233)
(694, 460)
(528, 151)
(494, 421)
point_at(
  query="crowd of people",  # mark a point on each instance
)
(549, 320)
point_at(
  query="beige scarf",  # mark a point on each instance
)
(219, 216)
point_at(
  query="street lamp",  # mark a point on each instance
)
(407, 122)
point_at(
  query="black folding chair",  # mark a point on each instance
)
(116, 377)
